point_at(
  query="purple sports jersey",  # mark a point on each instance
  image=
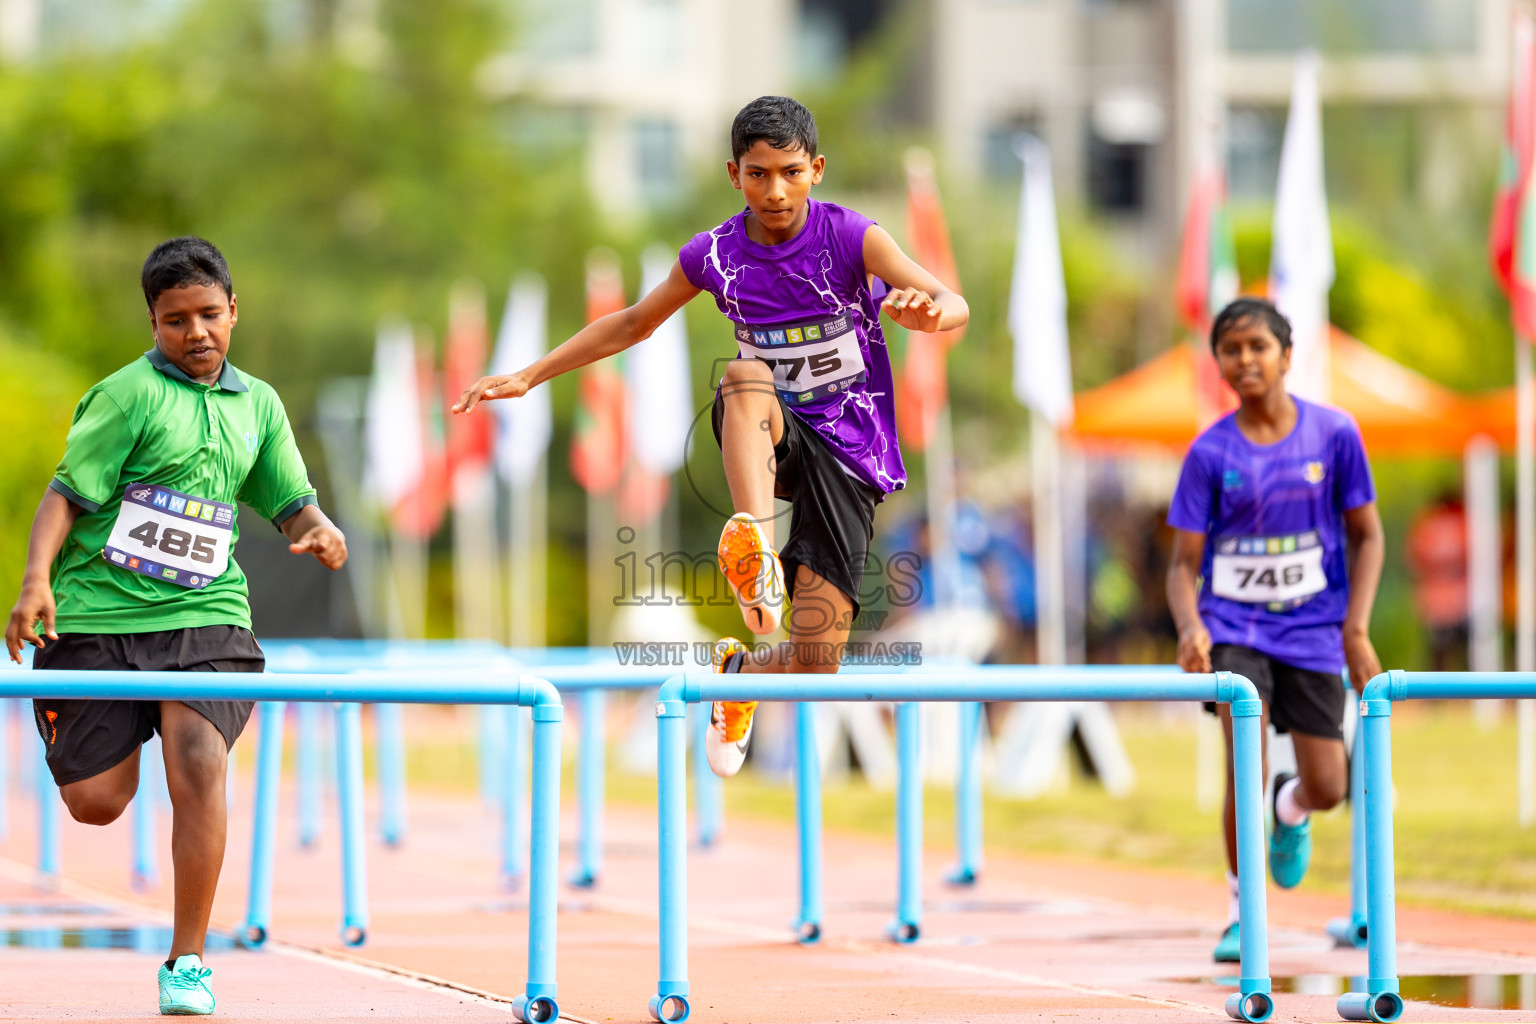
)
(805, 308)
(1274, 570)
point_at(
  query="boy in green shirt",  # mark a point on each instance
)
(133, 536)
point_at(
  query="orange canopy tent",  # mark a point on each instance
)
(1400, 412)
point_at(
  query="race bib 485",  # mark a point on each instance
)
(811, 360)
(175, 537)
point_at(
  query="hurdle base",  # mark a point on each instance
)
(807, 933)
(1382, 1007)
(961, 876)
(144, 883)
(670, 1008)
(1253, 1007)
(1348, 932)
(581, 879)
(904, 932)
(251, 936)
(536, 1009)
(354, 935)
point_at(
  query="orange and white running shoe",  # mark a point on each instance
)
(730, 721)
(753, 570)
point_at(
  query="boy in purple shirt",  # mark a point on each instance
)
(1277, 552)
(805, 413)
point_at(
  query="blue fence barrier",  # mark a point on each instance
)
(1252, 1002)
(420, 685)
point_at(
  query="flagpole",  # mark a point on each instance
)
(939, 462)
(1525, 545)
(1050, 571)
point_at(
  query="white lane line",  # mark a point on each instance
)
(19, 872)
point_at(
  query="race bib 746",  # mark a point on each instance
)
(175, 537)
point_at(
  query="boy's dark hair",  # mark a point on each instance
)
(183, 261)
(1239, 311)
(781, 122)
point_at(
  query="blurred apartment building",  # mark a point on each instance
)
(1121, 89)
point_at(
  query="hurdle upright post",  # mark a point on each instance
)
(808, 820)
(1380, 1001)
(514, 864)
(48, 801)
(590, 767)
(537, 1004)
(1252, 1001)
(968, 796)
(909, 823)
(1354, 929)
(269, 763)
(671, 1000)
(354, 863)
(390, 719)
(311, 788)
(5, 767)
(708, 788)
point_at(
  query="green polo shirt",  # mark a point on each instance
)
(151, 423)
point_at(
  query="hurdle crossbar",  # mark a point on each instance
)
(1252, 1002)
(417, 686)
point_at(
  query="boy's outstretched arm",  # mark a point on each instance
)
(918, 301)
(56, 514)
(1184, 601)
(310, 531)
(601, 338)
(1367, 547)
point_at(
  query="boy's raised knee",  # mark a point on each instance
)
(94, 807)
(1327, 794)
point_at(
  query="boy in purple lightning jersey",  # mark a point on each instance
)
(1277, 553)
(805, 413)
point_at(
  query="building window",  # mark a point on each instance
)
(1354, 26)
(657, 159)
(1254, 135)
(1117, 175)
(558, 28)
(1000, 160)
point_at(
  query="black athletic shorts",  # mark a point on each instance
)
(86, 737)
(1297, 699)
(832, 516)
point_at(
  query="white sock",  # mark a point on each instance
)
(1286, 808)
(1232, 903)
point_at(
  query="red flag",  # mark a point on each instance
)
(1516, 159)
(465, 355)
(1207, 281)
(597, 451)
(421, 511)
(923, 386)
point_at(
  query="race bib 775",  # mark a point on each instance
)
(174, 537)
(812, 360)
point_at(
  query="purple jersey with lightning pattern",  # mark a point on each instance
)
(805, 308)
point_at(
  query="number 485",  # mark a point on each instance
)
(175, 542)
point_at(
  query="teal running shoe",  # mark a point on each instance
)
(1290, 846)
(184, 992)
(1228, 950)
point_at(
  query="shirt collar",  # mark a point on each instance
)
(229, 380)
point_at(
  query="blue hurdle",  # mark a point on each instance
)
(1381, 1001)
(418, 686)
(1252, 1002)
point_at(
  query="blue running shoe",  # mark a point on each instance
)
(1228, 950)
(1290, 846)
(184, 991)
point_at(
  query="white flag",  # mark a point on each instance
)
(394, 445)
(1301, 256)
(1037, 306)
(657, 376)
(524, 422)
